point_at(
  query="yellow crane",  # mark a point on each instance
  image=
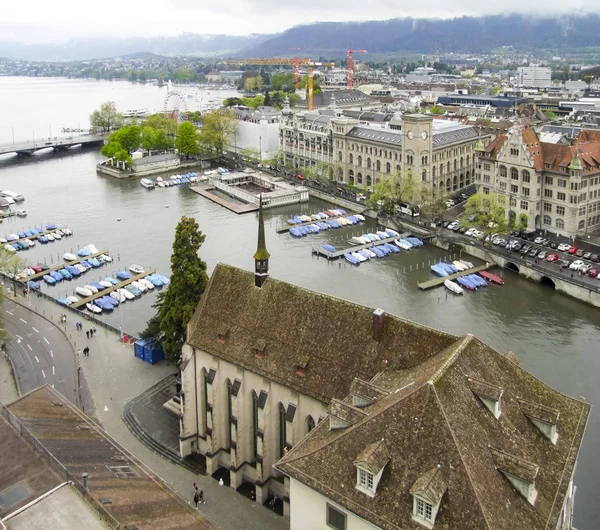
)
(279, 61)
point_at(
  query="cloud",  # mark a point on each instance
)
(37, 20)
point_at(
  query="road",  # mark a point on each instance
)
(41, 354)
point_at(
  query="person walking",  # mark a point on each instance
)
(86, 351)
(201, 497)
(87, 334)
(196, 499)
(94, 331)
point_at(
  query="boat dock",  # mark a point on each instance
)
(285, 229)
(63, 265)
(338, 253)
(109, 290)
(35, 236)
(204, 190)
(436, 282)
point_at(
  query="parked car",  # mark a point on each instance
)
(449, 203)
(534, 252)
(512, 244)
(593, 273)
(300, 177)
(595, 258)
(552, 257)
(361, 197)
(564, 263)
(538, 240)
(446, 224)
(471, 232)
(456, 227)
(517, 247)
(525, 249)
(587, 255)
(585, 268)
(563, 247)
(547, 243)
(575, 266)
(580, 252)
(542, 254)
(553, 245)
(462, 229)
(572, 250)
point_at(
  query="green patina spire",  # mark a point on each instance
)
(575, 163)
(261, 251)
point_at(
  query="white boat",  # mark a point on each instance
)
(57, 235)
(21, 213)
(16, 197)
(377, 238)
(159, 179)
(402, 245)
(105, 258)
(460, 266)
(80, 268)
(359, 216)
(453, 287)
(120, 297)
(161, 184)
(128, 295)
(149, 285)
(73, 299)
(136, 269)
(359, 256)
(83, 291)
(92, 248)
(29, 242)
(147, 183)
(10, 248)
(357, 240)
(50, 237)
(67, 256)
(93, 308)
(373, 255)
(67, 231)
(91, 288)
(467, 264)
(105, 283)
(140, 286)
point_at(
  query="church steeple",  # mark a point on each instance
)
(261, 256)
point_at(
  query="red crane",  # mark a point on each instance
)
(297, 68)
(351, 66)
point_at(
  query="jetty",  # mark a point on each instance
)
(205, 191)
(63, 265)
(109, 290)
(436, 282)
(338, 253)
(36, 236)
(285, 229)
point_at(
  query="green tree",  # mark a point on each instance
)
(550, 114)
(283, 81)
(128, 137)
(188, 281)
(253, 83)
(267, 100)
(434, 203)
(217, 130)
(488, 213)
(393, 189)
(148, 139)
(106, 118)
(11, 264)
(232, 102)
(187, 140)
(162, 141)
(251, 155)
(161, 121)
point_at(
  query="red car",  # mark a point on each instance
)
(552, 257)
(572, 250)
(300, 177)
(593, 273)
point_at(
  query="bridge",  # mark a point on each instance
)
(58, 143)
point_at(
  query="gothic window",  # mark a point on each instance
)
(368, 180)
(368, 163)
(360, 161)
(388, 167)
(359, 178)
(351, 158)
(310, 423)
(378, 165)
(514, 173)
(503, 172)
(229, 414)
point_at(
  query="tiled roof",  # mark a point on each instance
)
(458, 135)
(366, 389)
(485, 390)
(437, 421)
(495, 145)
(386, 136)
(430, 485)
(374, 457)
(276, 313)
(345, 412)
(539, 412)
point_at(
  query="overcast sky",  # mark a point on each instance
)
(59, 20)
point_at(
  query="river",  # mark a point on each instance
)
(555, 337)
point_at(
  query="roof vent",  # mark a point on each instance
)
(105, 500)
(544, 418)
(490, 395)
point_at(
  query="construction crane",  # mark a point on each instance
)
(351, 66)
(278, 61)
(297, 71)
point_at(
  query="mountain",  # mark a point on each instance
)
(464, 34)
(99, 48)
(331, 39)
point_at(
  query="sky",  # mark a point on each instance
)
(39, 21)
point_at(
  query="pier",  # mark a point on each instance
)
(36, 236)
(436, 282)
(285, 229)
(338, 253)
(109, 290)
(63, 265)
(205, 191)
(58, 143)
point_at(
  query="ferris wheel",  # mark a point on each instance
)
(174, 104)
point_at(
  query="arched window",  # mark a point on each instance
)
(580, 225)
(351, 158)
(503, 171)
(448, 185)
(368, 163)
(310, 423)
(548, 220)
(282, 430)
(514, 173)
(370, 150)
(433, 171)
(360, 160)
(359, 177)
(468, 181)
(424, 175)
(377, 165)
(448, 167)
(369, 180)
(388, 167)
(461, 162)
(525, 176)
(441, 169)
(340, 174)
(340, 156)
(351, 176)
(462, 180)
(454, 183)
(398, 168)
(254, 423)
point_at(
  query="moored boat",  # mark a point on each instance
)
(451, 286)
(492, 277)
(467, 264)
(438, 269)
(93, 308)
(147, 183)
(349, 257)
(465, 282)
(136, 269)
(67, 256)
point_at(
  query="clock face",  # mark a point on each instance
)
(410, 135)
(424, 135)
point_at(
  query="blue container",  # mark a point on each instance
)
(153, 353)
(138, 348)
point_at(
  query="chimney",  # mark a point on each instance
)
(84, 476)
(378, 316)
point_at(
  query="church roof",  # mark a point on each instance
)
(333, 349)
(440, 438)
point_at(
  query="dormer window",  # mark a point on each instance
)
(490, 395)
(365, 479)
(369, 467)
(342, 415)
(544, 418)
(428, 491)
(302, 366)
(259, 348)
(519, 472)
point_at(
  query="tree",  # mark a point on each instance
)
(252, 155)
(148, 139)
(127, 138)
(187, 140)
(487, 212)
(161, 121)
(232, 102)
(267, 100)
(188, 281)
(550, 114)
(253, 83)
(11, 264)
(218, 127)
(393, 189)
(435, 203)
(162, 141)
(106, 118)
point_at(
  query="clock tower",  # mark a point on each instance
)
(417, 147)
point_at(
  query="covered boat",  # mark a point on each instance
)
(91, 288)
(65, 274)
(94, 262)
(57, 276)
(73, 299)
(492, 277)
(67, 256)
(467, 264)
(149, 285)
(465, 282)
(116, 295)
(460, 266)
(98, 286)
(136, 269)
(439, 270)
(328, 247)
(73, 271)
(93, 308)
(135, 292)
(349, 257)
(451, 286)
(49, 279)
(128, 295)
(83, 253)
(111, 280)
(123, 275)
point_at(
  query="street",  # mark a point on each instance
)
(39, 351)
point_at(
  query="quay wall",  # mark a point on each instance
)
(156, 169)
(353, 206)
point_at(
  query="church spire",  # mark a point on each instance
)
(261, 256)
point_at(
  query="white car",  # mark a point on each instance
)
(538, 240)
(449, 203)
(576, 265)
(453, 225)
(563, 247)
(471, 232)
(512, 244)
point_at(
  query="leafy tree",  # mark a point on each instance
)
(187, 140)
(232, 102)
(253, 83)
(254, 102)
(393, 189)
(106, 118)
(283, 81)
(436, 110)
(162, 141)
(128, 137)
(267, 100)
(252, 155)
(435, 203)
(487, 211)
(188, 281)
(218, 127)
(11, 264)
(161, 121)
(148, 139)
(550, 114)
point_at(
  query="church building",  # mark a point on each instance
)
(367, 420)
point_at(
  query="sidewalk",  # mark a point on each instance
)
(8, 387)
(114, 377)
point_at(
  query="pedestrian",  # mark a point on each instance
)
(94, 331)
(196, 499)
(201, 497)
(65, 318)
(87, 334)
(86, 351)
(91, 333)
